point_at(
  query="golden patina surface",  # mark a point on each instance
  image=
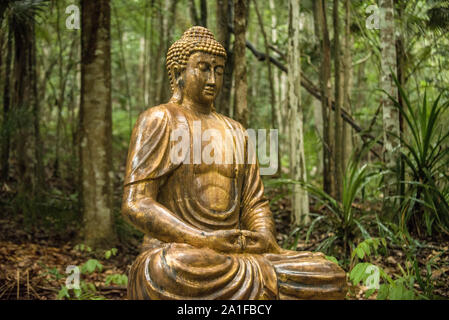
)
(209, 232)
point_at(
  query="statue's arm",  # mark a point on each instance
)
(148, 162)
(256, 215)
(141, 209)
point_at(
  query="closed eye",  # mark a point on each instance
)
(219, 70)
(203, 66)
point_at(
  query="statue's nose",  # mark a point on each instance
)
(211, 80)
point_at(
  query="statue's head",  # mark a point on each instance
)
(195, 65)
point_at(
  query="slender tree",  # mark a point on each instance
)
(6, 136)
(151, 74)
(168, 23)
(300, 201)
(146, 54)
(123, 66)
(401, 72)
(270, 72)
(63, 77)
(96, 123)
(347, 84)
(326, 97)
(224, 19)
(193, 13)
(400, 54)
(156, 61)
(275, 72)
(274, 113)
(338, 142)
(201, 19)
(391, 128)
(22, 98)
(203, 6)
(38, 145)
(240, 82)
(317, 106)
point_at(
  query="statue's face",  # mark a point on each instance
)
(203, 77)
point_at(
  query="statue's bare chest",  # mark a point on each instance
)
(212, 174)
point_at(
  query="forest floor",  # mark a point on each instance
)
(33, 261)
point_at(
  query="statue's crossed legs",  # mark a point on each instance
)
(181, 271)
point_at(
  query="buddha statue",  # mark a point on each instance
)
(209, 231)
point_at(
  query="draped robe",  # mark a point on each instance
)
(214, 196)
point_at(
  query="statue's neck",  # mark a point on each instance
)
(196, 107)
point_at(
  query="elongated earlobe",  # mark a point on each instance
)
(178, 85)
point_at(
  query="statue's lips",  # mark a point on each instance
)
(209, 91)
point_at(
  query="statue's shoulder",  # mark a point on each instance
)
(234, 123)
(163, 112)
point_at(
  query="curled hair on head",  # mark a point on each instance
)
(193, 40)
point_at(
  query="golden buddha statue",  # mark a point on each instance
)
(209, 231)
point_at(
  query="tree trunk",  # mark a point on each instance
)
(276, 83)
(24, 142)
(400, 58)
(141, 75)
(338, 142)
(224, 11)
(203, 6)
(326, 98)
(318, 122)
(270, 72)
(61, 95)
(401, 73)
(274, 118)
(169, 22)
(38, 147)
(159, 59)
(300, 200)
(146, 56)
(6, 135)
(317, 107)
(193, 13)
(275, 72)
(124, 69)
(347, 85)
(284, 103)
(240, 82)
(390, 113)
(360, 97)
(96, 124)
(155, 55)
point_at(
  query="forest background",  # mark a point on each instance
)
(356, 89)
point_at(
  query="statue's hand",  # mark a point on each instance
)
(258, 242)
(242, 241)
(228, 241)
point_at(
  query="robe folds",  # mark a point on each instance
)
(234, 200)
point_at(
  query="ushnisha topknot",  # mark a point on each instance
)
(194, 39)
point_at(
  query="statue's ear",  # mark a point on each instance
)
(178, 84)
(177, 75)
